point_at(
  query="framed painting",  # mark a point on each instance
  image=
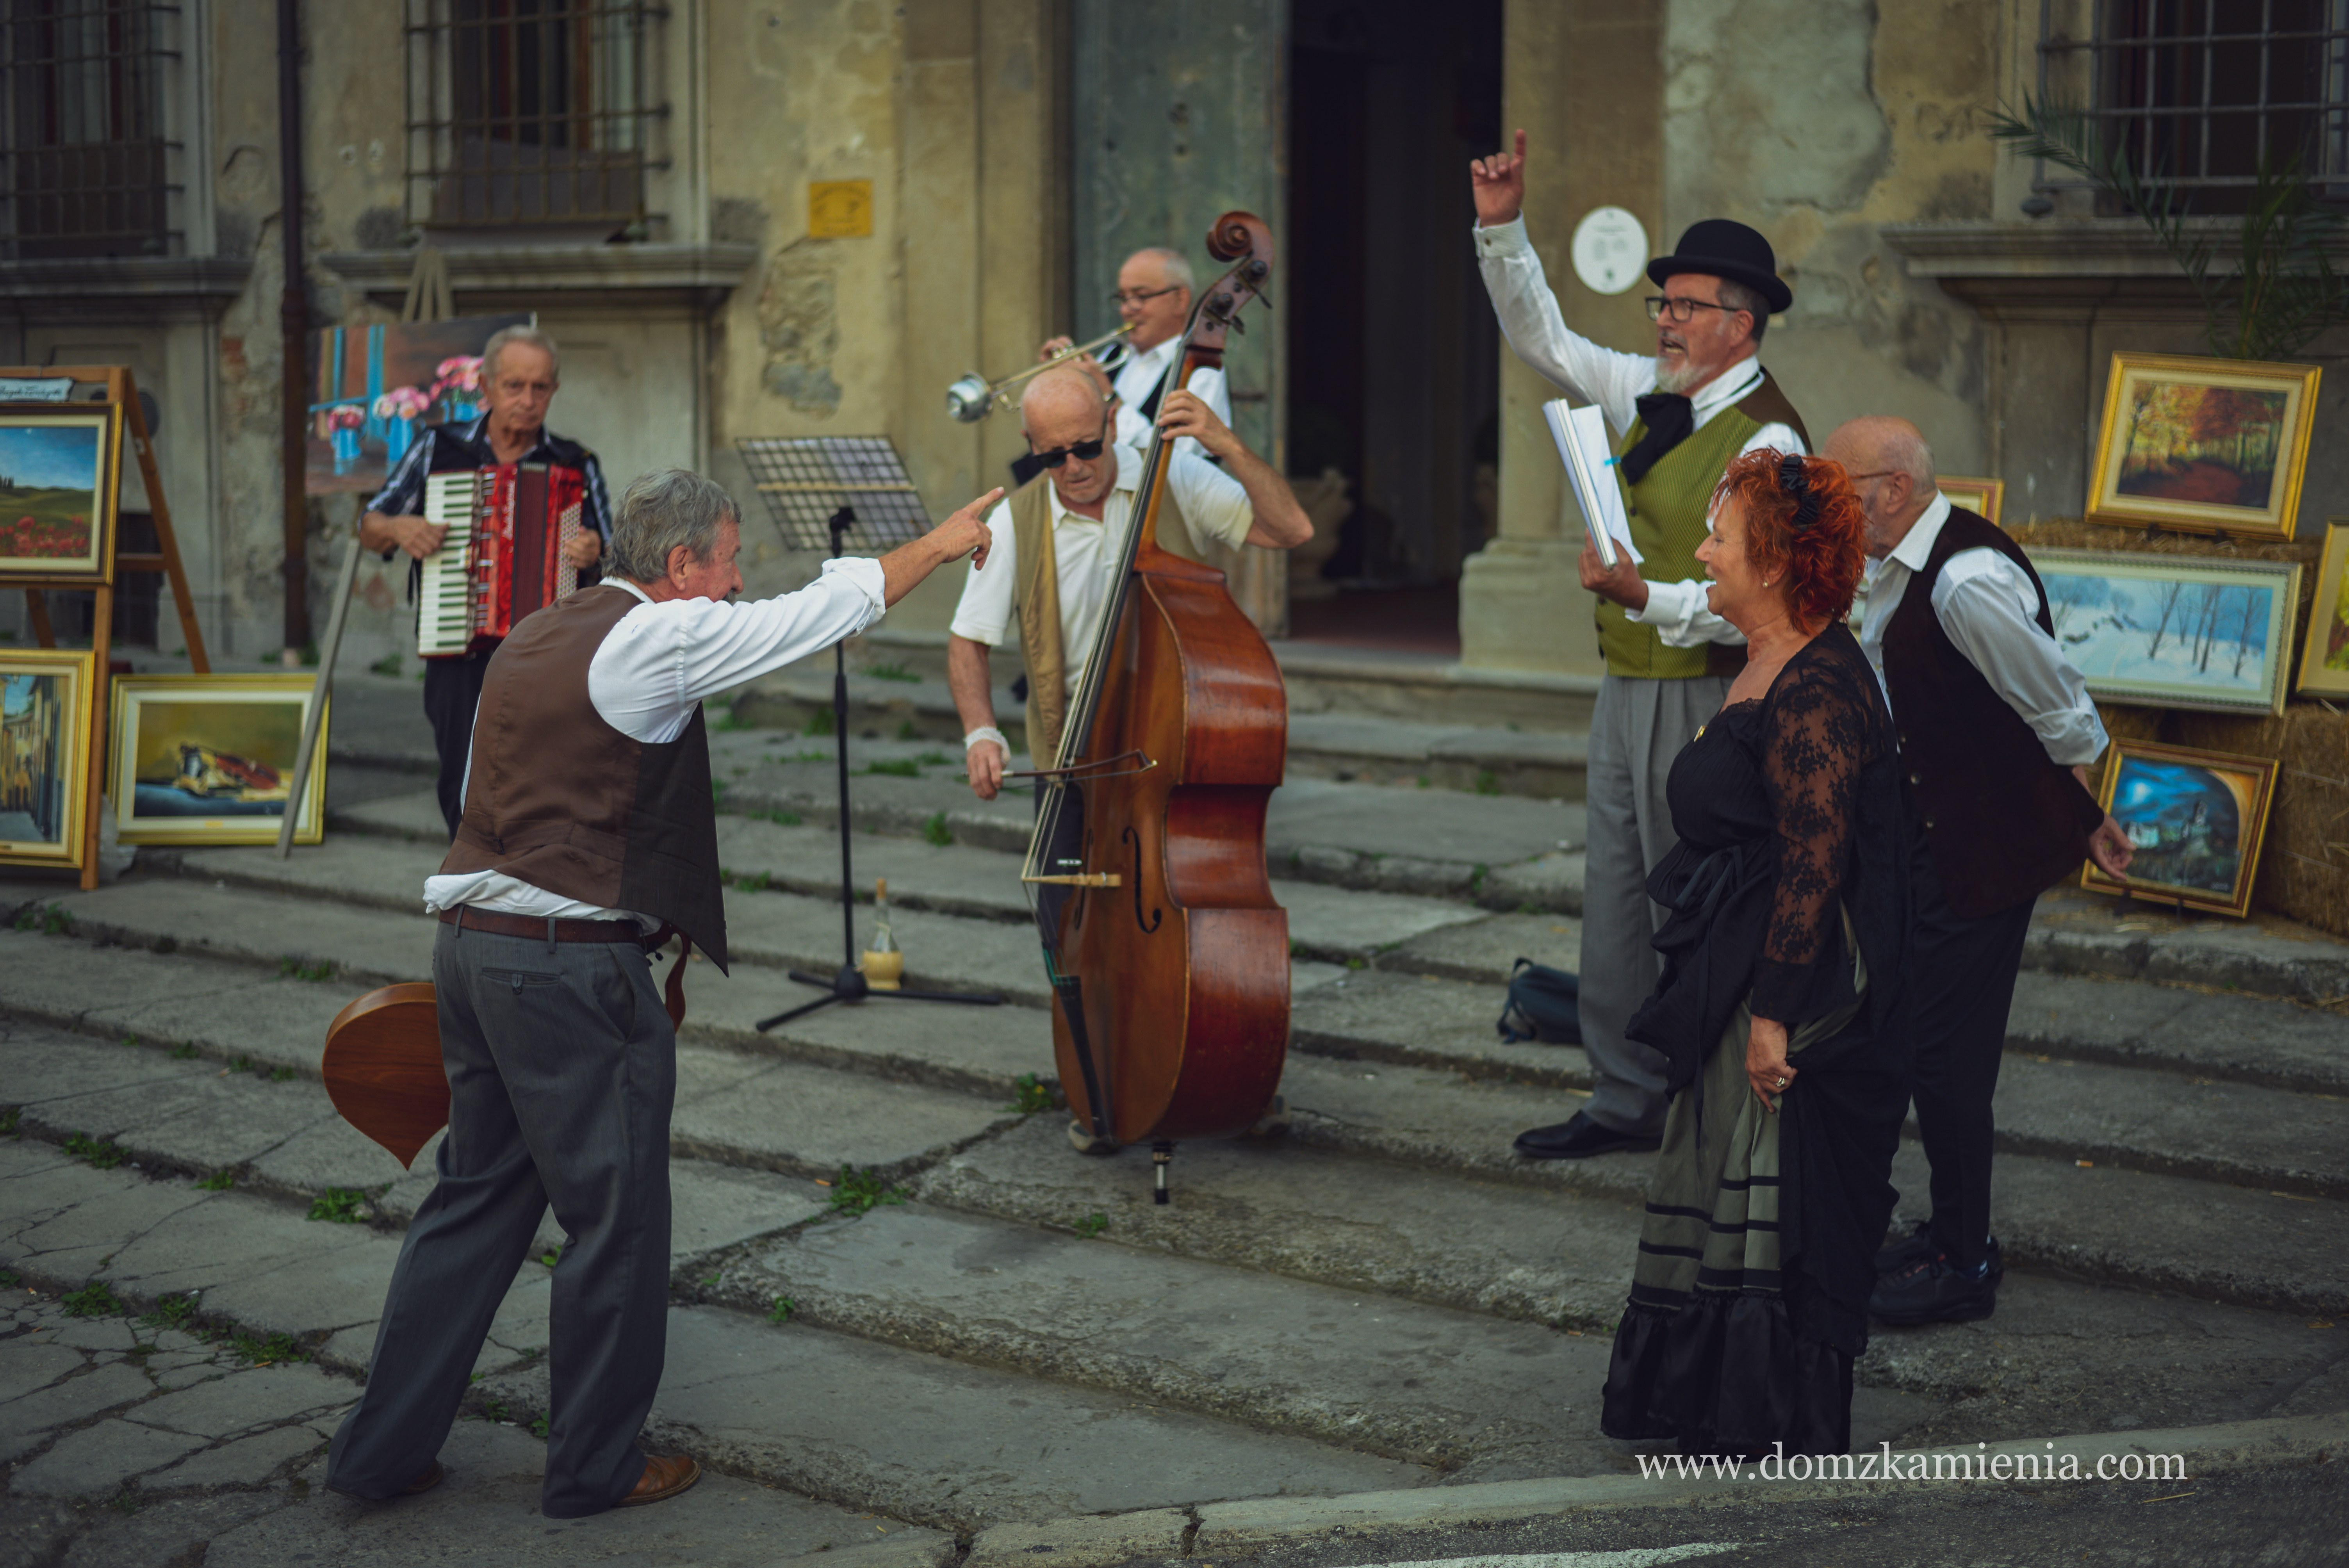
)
(1981, 497)
(2175, 631)
(45, 717)
(2325, 663)
(2195, 819)
(379, 386)
(209, 759)
(60, 476)
(2208, 446)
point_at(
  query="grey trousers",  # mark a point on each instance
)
(1637, 730)
(561, 1072)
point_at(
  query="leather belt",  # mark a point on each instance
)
(544, 928)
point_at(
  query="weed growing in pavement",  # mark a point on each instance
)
(905, 731)
(1093, 1225)
(784, 818)
(218, 1182)
(1487, 783)
(935, 831)
(51, 922)
(819, 723)
(171, 1311)
(891, 672)
(932, 760)
(9, 1279)
(294, 968)
(717, 791)
(254, 1350)
(493, 1410)
(813, 756)
(897, 767)
(339, 1206)
(1029, 1095)
(184, 1052)
(860, 1192)
(124, 1501)
(8, 1121)
(1357, 963)
(1476, 875)
(92, 1300)
(756, 882)
(783, 1308)
(387, 665)
(102, 1154)
(239, 1063)
(131, 1040)
(281, 1074)
(538, 1428)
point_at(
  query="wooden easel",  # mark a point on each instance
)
(165, 558)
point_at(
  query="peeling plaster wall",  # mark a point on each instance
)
(1817, 120)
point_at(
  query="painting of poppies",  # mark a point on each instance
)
(2194, 819)
(58, 468)
(2208, 445)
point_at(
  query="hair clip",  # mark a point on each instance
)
(1797, 482)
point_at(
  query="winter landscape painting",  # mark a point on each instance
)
(2174, 631)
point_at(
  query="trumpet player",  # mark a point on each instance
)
(1152, 298)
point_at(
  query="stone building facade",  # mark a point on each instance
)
(1016, 149)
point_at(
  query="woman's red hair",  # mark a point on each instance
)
(1822, 562)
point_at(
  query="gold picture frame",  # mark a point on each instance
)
(60, 482)
(2324, 660)
(1981, 497)
(2174, 631)
(2196, 819)
(45, 701)
(2207, 445)
(209, 759)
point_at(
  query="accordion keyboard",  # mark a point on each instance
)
(445, 596)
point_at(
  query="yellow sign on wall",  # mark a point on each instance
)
(840, 208)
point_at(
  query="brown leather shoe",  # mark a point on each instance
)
(665, 1476)
(424, 1482)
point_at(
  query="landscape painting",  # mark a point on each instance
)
(209, 759)
(2208, 445)
(2325, 663)
(2174, 631)
(43, 741)
(59, 470)
(2195, 819)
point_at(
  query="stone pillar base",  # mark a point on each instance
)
(1523, 607)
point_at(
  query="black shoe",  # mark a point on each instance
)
(1933, 1291)
(1917, 1247)
(1578, 1140)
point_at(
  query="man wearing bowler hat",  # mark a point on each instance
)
(1680, 418)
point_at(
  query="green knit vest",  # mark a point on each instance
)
(1668, 508)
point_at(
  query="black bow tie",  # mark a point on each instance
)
(1670, 418)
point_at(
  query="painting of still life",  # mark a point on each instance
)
(209, 759)
(59, 467)
(379, 386)
(2195, 819)
(2213, 446)
(44, 756)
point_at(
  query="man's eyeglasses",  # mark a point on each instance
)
(1136, 296)
(1683, 310)
(1083, 451)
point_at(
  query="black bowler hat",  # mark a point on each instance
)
(1726, 249)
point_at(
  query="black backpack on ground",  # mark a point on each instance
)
(1543, 1004)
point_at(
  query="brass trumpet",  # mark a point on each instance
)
(973, 398)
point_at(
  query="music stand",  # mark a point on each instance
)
(817, 488)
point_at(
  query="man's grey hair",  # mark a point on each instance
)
(1903, 450)
(1173, 264)
(1738, 296)
(659, 511)
(536, 339)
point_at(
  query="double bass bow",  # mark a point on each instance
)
(1167, 955)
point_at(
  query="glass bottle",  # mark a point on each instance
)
(883, 964)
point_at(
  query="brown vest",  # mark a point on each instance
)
(557, 798)
(2005, 821)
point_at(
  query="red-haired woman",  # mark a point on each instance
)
(1789, 903)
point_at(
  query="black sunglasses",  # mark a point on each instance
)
(1083, 451)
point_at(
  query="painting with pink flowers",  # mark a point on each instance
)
(373, 389)
(60, 465)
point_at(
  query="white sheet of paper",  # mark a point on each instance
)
(1589, 459)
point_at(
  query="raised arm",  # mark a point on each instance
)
(1279, 521)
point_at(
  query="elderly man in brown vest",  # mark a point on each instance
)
(589, 832)
(1060, 538)
(1996, 733)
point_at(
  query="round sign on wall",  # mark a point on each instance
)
(1611, 250)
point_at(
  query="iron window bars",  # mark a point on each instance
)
(2195, 92)
(88, 165)
(532, 114)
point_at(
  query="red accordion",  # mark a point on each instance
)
(503, 555)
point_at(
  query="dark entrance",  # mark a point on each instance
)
(1393, 350)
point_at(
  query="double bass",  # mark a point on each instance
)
(1167, 955)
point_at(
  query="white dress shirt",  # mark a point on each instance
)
(650, 674)
(1988, 608)
(1536, 331)
(1139, 376)
(1086, 554)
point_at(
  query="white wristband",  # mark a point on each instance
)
(986, 732)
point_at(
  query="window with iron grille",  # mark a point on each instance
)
(532, 114)
(2197, 93)
(88, 166)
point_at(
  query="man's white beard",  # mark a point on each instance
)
(1676, 376)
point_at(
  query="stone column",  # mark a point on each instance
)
(1585, 82)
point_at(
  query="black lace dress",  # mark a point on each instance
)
(1789, 899)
